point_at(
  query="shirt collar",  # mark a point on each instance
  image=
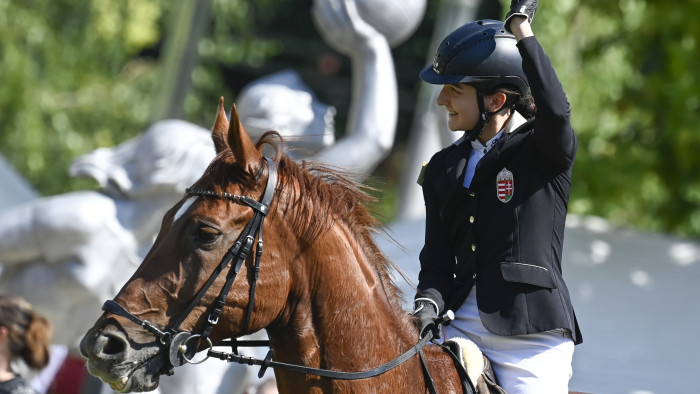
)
(476, 144)
(516, 120)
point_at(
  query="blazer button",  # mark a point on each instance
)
(471, 219)
(474, 276)
(473, 248)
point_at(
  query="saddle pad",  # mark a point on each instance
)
(469, 355)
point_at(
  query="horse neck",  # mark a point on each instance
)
(344, 317)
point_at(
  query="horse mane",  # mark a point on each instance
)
(323, 195)
(313, 196)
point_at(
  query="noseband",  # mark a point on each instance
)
(177, 340)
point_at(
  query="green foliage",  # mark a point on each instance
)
(629, 70)
(72, 80)
(80, 74)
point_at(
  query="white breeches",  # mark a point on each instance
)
(524, 364)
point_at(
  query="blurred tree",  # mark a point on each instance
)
(629, 69)
(72, 80)
(79, 74)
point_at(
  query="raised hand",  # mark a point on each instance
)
(525, 8)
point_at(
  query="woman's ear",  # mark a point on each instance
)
(495, 102)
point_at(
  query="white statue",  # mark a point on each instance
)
(15, 189)
(363, 30)
(284, 103)
(68, 253)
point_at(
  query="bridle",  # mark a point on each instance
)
(177, 341)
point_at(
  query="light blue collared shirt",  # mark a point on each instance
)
(479, 150)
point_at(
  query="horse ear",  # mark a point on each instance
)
(219, 132)
(243, 148)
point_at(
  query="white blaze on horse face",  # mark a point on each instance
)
(185, 206)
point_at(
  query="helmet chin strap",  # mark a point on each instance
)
(484, 117)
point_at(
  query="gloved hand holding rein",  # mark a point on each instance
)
(426, 310)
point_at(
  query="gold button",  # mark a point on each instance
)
(473, 248)
(471, 219)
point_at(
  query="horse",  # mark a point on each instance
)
(322, 289)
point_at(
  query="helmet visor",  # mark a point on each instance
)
(430, 76)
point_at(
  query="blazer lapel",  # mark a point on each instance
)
(458, 162)
(491, 163)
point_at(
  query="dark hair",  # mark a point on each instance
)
(525, 105)
(28, 332)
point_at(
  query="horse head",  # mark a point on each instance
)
(196, 237)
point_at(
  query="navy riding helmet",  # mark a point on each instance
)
(482, 54)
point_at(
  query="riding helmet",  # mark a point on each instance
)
(482, 54)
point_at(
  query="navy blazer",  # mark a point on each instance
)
(506, 231)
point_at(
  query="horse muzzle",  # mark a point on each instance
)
(115, 360)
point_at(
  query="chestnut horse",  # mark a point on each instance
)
(322, 289)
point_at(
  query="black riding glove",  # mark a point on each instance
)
(426, 310)
(526, 8)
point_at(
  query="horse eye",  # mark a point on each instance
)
(207, 235)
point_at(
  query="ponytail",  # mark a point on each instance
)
(36, 349)
(525, 105)
(29, 334)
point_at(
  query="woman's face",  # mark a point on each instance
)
(460, 102)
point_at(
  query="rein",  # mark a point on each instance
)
(416, 349)
(341, 375)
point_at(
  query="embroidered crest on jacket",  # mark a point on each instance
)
(505, 186)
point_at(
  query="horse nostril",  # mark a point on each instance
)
(113, 346)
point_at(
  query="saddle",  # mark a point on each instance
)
(473, 365)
